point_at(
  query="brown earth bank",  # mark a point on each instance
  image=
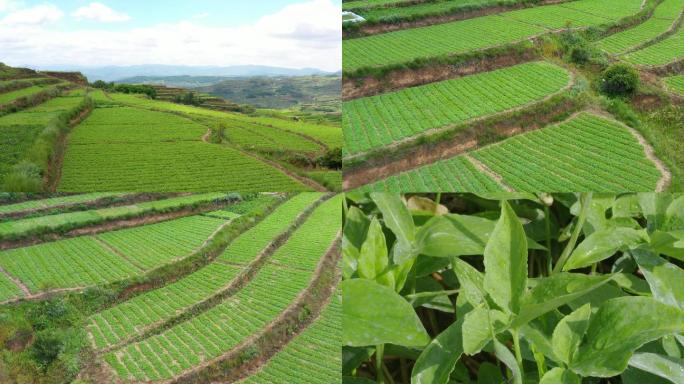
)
(354, 88)
(374, 28)
(74, 77)
(380, 168)
(150, 218)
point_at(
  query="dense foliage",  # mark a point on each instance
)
(513, 287)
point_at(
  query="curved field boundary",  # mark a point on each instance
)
(328, 135)
(419, 44)
(393, 119)
(109, 152)
(584, 153)
(313, 356)
(110, 328)
(189, 346)
(83, 261)
(666, 17)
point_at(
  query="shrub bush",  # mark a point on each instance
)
(619, 80)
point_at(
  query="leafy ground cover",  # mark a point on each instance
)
(515, 288)
(474, 34)
(664, 17)
(9, 97)
(377, 121)
(586, 152)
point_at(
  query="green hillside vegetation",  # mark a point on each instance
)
(176, 300)
(119, 137)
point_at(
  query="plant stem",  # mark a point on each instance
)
(516, 347)
(387, 374)
(438, 199)
(549, 261)
(379, 351)
(432, 294)
(585, 202)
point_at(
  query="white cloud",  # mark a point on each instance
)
(306, 34)
(9, 5)
(37, 15)
(100, 12)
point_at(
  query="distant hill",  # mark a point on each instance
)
(115, 73)
(278, 92)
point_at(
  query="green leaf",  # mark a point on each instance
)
(618, 328)
(560, 376)
(603, 244)
(440, 356)
(551, 292)
(674, 215)
(506, 357)
(471, 280)
(396, 215)
(654, 207)
(373, 314)
(667, 367)
(373, 258)
(356, 380)
(352, 357)
(541, 341)
(505, 260)
(489, 373)
(476, 328)
(665, 279)
(454, 235)
(354, 234)
(569, 332)
(668, 243)
(626, 206)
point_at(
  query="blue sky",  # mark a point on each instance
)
(289, 33)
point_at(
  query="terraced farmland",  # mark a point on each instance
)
(71, 220)
(585, 153)
(275, 286)
(375, 122)
(662, 53)
(663, 19)
(128, 319)
(456, 37)
(314, 356)
(11, 96)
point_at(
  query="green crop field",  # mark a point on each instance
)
(662, 20)
(473, 34)
(56, 202)
(370, 3)
(587, 152)
(675, 83)
(425, 9)
(91, 260)
(664, 52)
(314, 356)
(374, 122)
(194, 341)
(9, 97)
(18, 228)
(168, 167)
(145, 310)
(455, 174)
(71, 263)
(151, 246)
(8, 290)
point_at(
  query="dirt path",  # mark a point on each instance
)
(666, 176)
(487, 171)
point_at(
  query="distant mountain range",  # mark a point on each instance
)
(114, 73)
